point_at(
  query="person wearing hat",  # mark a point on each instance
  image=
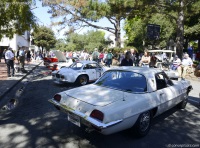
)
(9, 57)
(176, 63)
(185, 65)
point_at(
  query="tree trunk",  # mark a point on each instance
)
(180, 30)
(117, 34)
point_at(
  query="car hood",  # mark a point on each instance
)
(60, 56)
(95, 95)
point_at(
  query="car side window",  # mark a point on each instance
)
(162, 81)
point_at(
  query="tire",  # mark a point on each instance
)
(183, 103)
(82, 80)
(143, 124)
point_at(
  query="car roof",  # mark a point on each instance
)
(166, 51)
(148, 72)
(86, 62)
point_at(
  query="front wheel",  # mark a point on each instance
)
(143, 124)
(82, 80)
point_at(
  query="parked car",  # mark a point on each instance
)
(123, 98)
(57, 57)
(81, 72)
(61, 64)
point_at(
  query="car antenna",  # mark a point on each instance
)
(123, 96)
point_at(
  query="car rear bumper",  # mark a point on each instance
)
(104, 128)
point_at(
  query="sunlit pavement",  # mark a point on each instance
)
(7, 83)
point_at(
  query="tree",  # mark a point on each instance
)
(192, 24)
(136, 30)
(15, 17)
(175, 10)
(88, 41)
(61, 45)
(84, 13)
(44, 37)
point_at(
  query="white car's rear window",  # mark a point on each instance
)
(123, 80)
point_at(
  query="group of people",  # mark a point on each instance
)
(10, 56)
(182, 66)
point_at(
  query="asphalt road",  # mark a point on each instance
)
(34, 122)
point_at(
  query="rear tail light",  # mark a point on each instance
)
(97, 115)
(57, 97)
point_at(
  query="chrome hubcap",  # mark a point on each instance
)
(144, 121)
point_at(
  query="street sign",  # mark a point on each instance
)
(153, 31)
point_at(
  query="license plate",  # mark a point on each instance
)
(74, 119)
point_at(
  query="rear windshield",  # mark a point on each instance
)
(123, 80)
(76, 66)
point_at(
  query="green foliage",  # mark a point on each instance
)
(15, 17)
(61, 45)
(44, 38)
(87, 41)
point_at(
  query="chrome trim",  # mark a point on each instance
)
(87, 118)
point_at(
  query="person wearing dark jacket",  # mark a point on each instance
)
(127, 61)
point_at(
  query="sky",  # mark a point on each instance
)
(44, 19)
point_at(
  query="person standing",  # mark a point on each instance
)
(4, 54)
(1, 54)
(22, 59)
(109, 57)
(28, 54)
(127, 61)
(101, 56)
(95, 55)
(9, 57)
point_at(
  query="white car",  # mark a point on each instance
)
(81, 72)
(123, 98)
(62, 61)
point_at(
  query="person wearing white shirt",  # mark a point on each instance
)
(9, 56)
(185, 64)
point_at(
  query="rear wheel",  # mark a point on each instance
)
(183, 103)
(82, 80)
(143, 124)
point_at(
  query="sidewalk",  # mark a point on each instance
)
(7, 83)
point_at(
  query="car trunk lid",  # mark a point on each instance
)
(95, 95)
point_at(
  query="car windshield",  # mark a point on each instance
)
(76, 66)
(123, 80)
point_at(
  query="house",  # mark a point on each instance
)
(17, 40)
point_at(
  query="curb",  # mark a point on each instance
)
(3, 95)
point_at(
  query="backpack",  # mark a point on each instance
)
(109, 56)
